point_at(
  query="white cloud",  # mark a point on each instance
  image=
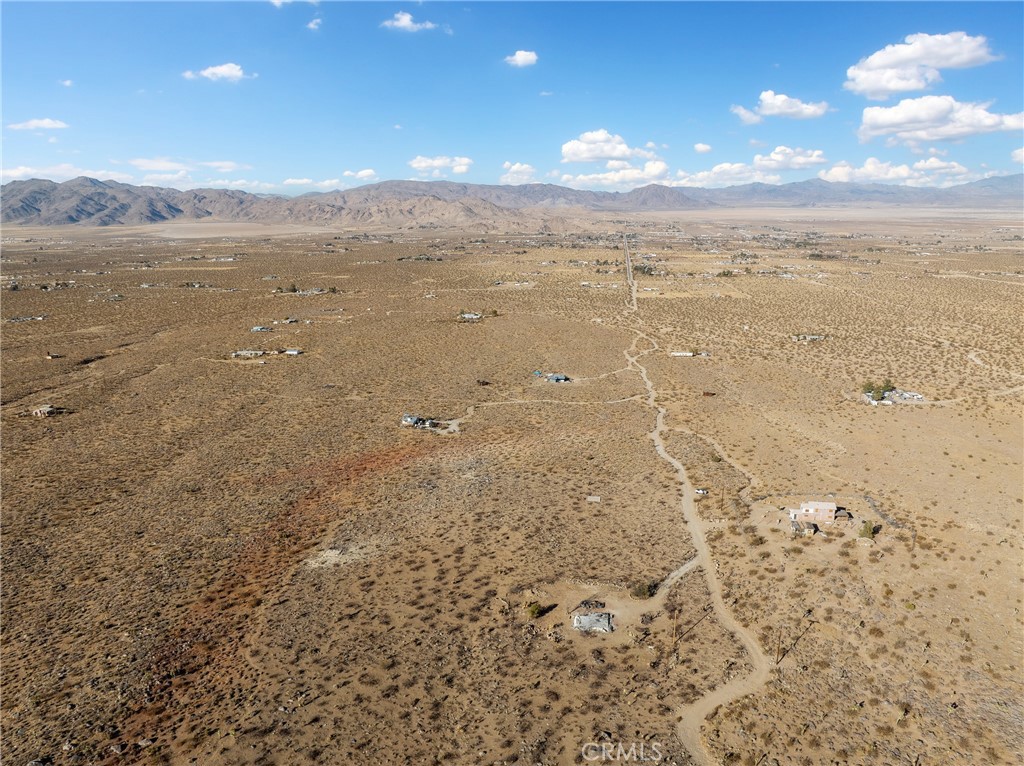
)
(62, 172)
(404, 22)
(522, 58)
(935, 165)
(65, 83)
(546, 93)
(230, 72)
(179, 180)
(621, 174)
(314, 24)
(702, 148)
(225, 166)
(746, 116)
(914, 64)
(158, 164)
(517, 173)
(435, 165)
(784, 158)
(367, 174)
(239, 183)
(933, 118)
(1017, 156)
(327, 183)
(930, 172)
(772, 104)
(873, 169)
(44, 123)
(725, 174)
(601, 145)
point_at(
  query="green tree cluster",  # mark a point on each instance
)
(878, 391)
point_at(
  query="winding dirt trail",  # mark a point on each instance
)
(693, 715)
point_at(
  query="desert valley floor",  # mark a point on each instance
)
(218, 559)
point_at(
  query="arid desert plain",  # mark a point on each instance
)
(218, 559)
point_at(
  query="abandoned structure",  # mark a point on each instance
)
(415, 421)
(804, 528)
(593, 622)
(818, 512)
(589, 617)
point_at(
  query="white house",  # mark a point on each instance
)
(814, 511)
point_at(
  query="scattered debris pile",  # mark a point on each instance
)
(892, 396)
(552, 377)
(417, 421)
(252, 353)
(46, 411)
(39, 318)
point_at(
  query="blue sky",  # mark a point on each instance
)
(291, 97)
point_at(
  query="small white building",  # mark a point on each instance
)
(814, 511)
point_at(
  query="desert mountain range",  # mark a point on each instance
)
(403, 204)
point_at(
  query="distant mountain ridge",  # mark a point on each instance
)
(410, 204)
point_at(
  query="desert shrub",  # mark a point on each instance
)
(644, 590)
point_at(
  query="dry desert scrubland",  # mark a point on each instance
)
(218, 559)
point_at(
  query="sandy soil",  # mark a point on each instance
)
(222, 561)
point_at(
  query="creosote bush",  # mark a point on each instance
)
(643, 590)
